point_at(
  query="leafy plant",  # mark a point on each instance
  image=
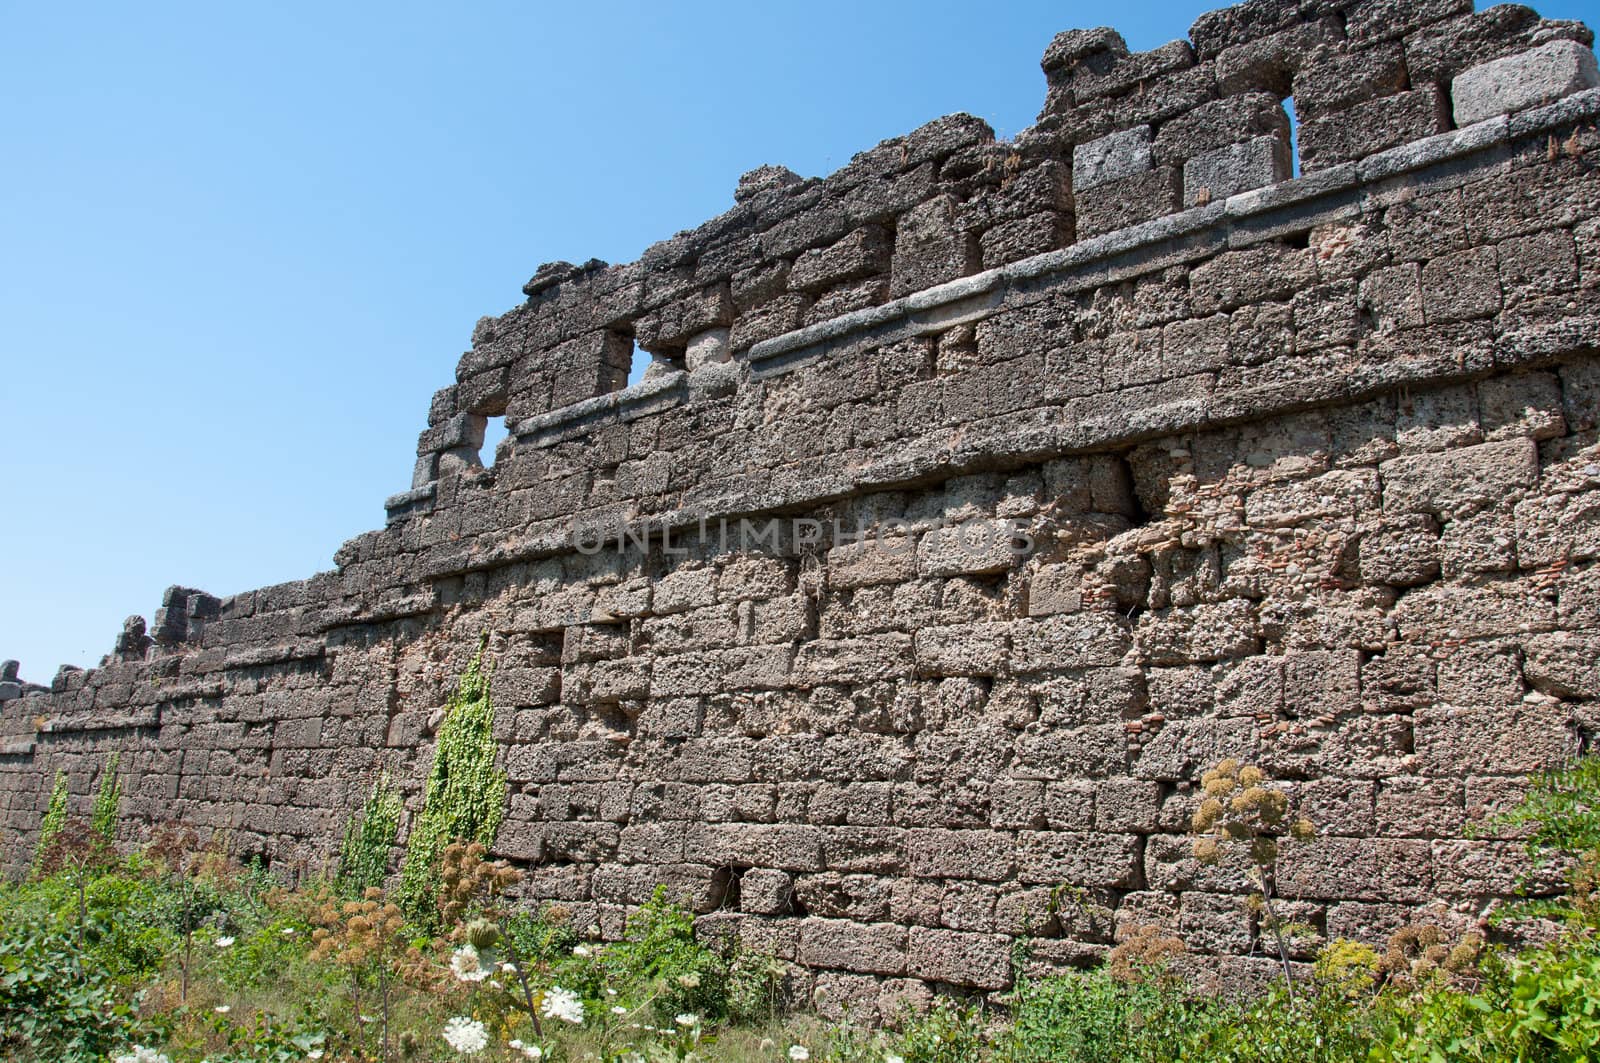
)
(108, 801)
(465, 795)
(55, 817)
(1561, 811)
(369, 839)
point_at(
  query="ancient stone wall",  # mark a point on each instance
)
(980, 495)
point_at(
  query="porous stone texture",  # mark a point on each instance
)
(1541, 75)
(908, 592)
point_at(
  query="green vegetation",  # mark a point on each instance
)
(55, 817)
(369, 840)
(108, 802)
(178, 952)
(465, 796)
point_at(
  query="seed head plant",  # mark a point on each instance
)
(367, 938)
(1241, 810)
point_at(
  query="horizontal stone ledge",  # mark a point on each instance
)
(1006, 441)
(19, 747)
(625, 404)
(118, 722)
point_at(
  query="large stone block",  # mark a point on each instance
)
(1517, 82)
(1115, 155)
(1233, 168)
(1458, 482)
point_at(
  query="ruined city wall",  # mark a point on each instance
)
(979, 496)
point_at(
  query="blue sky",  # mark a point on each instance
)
(243, 244)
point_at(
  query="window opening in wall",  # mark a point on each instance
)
(1294, 137)
(495, 429)
(637, 365)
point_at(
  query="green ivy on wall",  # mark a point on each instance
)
(465, 796)
(55, 817)
(368, 839)
(107, 803)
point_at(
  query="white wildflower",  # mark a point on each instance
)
(686, 1019)
(466, 1036)
(582, 950)
(527, 1050)
(223, 943)
(315, 1053)
(142, 1055)
(562, 1004)
(799, 1052)
(467, 965)
(287, 931)
(222, 1009)
(508, 967)
(894, 1059)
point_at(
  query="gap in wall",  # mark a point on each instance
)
(494, 430)
(637, 364)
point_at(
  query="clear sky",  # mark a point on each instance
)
(242, 245)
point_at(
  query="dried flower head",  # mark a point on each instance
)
(1143, 952)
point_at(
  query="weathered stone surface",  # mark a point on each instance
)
(1110, 157)
(1234, 168)
(908, 597)
(1517, 82)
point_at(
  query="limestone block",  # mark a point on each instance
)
(1459, 481)
(979, 960)
(840, 944)
(931, 248)
(1225, 171)
(1370, 127)
(1110, 157)
(1517, 82)
(863, 252)
(1129, 200)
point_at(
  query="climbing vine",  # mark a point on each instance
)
(465, 796)
(55, 817)
(103, 819)
(368, 838)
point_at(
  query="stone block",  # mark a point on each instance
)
(1231, 120)
(930, 247)
(1331, 80)
(1370, 127)
(1077, 859)
(1538, 76)
(1402, 552)
(979, 547)
(985, 856)
(1231, 279)
(1233, 168)
(982, 961)
(1138, 197)
(840, 944)
(1538, 265)
(1459, 481)
(863, 252)
(1460, 286)
(1113, 156)
(708, 348)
